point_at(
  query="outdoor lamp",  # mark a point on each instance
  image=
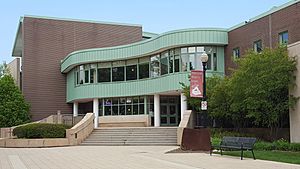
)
(204, 57)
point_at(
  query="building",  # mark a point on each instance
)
(115, 69)
(14, 69)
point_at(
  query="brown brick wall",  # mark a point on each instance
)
(287, 19)
(46, 43)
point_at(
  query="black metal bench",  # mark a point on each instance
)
(240, 143)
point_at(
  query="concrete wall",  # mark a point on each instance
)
(125, 121)
(14, 69)
(294, 50)
(46, 42)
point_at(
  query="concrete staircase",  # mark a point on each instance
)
(133, 136)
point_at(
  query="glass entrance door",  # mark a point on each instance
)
(168, 114)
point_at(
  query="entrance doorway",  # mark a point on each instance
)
(169, 111)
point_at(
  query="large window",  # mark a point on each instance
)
(124, 105)
(167, 62)
(164, 63)
(93, 73)
(131, 69)
(211, 53)
(257, 46)
(118, 71)
(144, 68)
(154, 66)
(283, 38)
(184, 59)
(177, 60)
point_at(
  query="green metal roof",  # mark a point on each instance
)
(184, 37)
(150, 34)
(271, 11)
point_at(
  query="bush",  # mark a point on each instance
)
(220, 133)
(280, 145)
(41, 130)
(261, 145)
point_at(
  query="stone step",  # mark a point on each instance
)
(133, 136)
(130, 144)
(126, 139)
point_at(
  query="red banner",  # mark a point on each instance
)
(196, 87)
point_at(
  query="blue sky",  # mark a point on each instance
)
(156, 16)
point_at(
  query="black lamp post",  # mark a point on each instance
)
(203, 115)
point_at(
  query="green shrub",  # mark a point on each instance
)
(41, 130)
(220, 133)
(282, 145)
(294, 146)
(261, 145)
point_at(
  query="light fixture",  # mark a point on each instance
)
(204, 57)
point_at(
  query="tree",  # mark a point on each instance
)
(13, 108)
(256, 94)
(3, 69)
(259, 87)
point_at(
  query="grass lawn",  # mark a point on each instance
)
(280, 156)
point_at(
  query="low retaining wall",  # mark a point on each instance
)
(81, 130)
(186, 122)
(34, 143)
(125, 121)
(74, 136)
(66, 119)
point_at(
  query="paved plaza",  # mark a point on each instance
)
(123, 157)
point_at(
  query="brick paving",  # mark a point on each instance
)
(123, 157)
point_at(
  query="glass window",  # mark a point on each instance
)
(154, 66)
(143, 70)
(136, 100)
(104, 75)
(107, 107)
(176, 63)
(135, 109)
(131, 72)
(77, 77)
(171, 63)
(122, 102)
(192, 49)
(193, 62)
(128, 109)
(215, 61)
(200, 49)
(81, 74)
(164, 63)
(92, 76)
(184, 50)
(115, 106)
(283, 38)
(208, 65)
(236, 53)
(257, 46)
(117, 74)
(184, 62)
(86, 76)
(141, 108)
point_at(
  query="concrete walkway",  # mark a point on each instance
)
(123, 157)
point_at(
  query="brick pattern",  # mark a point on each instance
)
(287, 19)
(46, 43)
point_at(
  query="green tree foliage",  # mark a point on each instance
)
(3, 69)
(259, 87)
(13, 108)
(256, 93)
